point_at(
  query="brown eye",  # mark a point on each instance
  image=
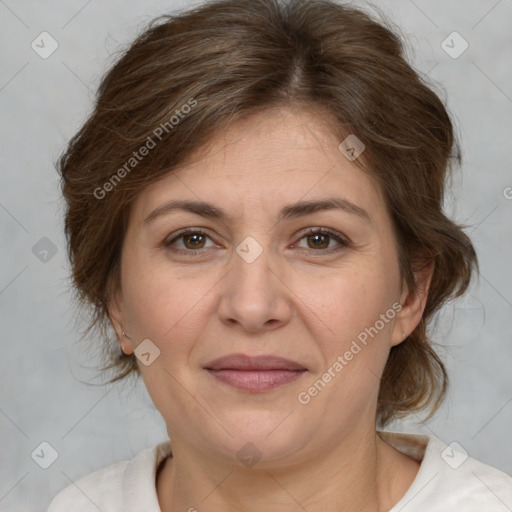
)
(192, 240)
(319, 240)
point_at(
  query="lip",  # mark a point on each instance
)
(254, 373)
(253, 363)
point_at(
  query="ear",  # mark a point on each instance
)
(117, 319)
(413, 305)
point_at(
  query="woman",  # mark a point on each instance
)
(255, 207)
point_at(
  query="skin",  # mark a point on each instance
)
(295, 300)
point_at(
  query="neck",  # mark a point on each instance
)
(363, 474)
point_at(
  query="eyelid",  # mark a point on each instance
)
(340, 238)
(185, 231)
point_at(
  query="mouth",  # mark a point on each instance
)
(255, 374)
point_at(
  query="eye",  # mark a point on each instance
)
(193, 240)
(319, 239)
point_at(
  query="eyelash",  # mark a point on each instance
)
(311, 231)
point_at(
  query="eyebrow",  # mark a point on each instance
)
(290, 211)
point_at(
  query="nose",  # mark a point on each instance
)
(254, 296)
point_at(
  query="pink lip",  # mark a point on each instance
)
(258, 380)
(244, 362)
(260, 373)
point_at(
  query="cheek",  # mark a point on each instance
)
(350, 301)
(353, 357)
(358, 311)
(168, 310)
(163, 305)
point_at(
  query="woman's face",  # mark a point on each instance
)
(255, 282)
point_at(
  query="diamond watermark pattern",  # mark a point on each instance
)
(249, 249)
(249, 454)
(44, 45)
(454, 45)
(44, 250)
(147, 352)
(454, 455)
(351, 147)
(44, 455)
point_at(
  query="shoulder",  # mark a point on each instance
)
(101, 489)
(117, 487)
(449, 479)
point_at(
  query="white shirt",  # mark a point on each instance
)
(447, 481)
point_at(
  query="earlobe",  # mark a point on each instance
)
(126, 347)
(413, 305)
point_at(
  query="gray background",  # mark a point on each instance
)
(48, 390)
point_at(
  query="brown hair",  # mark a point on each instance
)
(189, 75)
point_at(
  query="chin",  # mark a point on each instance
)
(264, 437)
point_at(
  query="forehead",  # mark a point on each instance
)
(265, 160)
